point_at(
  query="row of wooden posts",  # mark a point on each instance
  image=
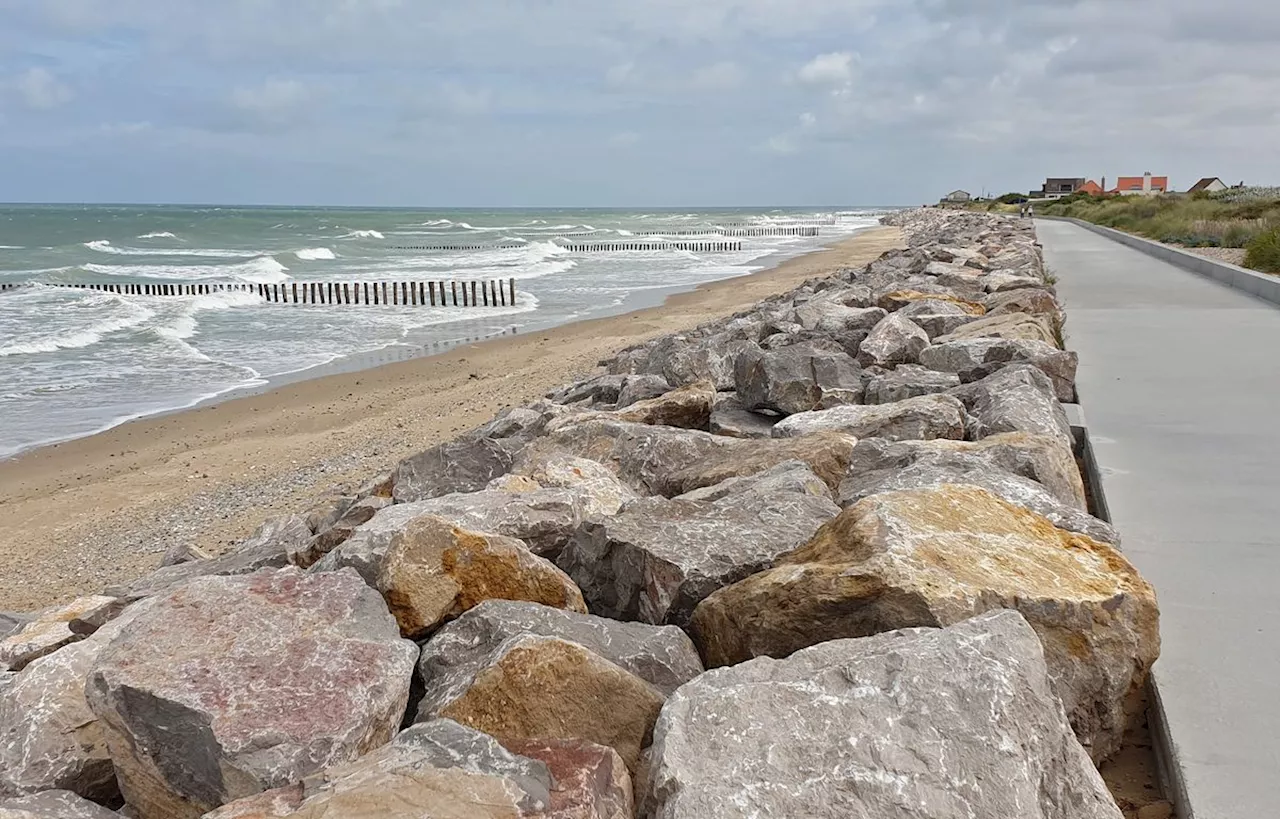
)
(491, 293)
(599, 247)
(696, 247)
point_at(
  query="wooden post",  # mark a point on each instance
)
(404, 293)
(454, 286)
(384, 293)
(431, 291)
(473, 294)
(484, 288)
(366, 293)
(422, 294)
(513, 291)
(346, 294)
(295, 292)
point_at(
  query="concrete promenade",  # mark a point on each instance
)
(1180, 385)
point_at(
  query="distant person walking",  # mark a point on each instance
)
(1031, 212)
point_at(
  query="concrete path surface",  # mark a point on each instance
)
(1180, 386)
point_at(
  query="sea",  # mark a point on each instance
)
(74, 362)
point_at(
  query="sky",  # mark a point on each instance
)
(564, 103)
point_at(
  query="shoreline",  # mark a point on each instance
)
(469, 331)
(206, 476)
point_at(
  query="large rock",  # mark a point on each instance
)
(662, 656)
(958, 722)
(228, 686)
(1048, 460)
(274, 545)
(939, 556)
(430, 570)
(642, 456)
(896, 300)
(683, 359)
(974, 359)
(895, 340)
(847, 326)
(11, 622)
(658, 558)
(1025, 326)
(640, 387)
(457, 466)
(936, 317)
(1024, 300)
(943, 467)
(535, 687)
(439, 769)
(49, 739)
(53, 805)
(826, 453)
(600, 389)
(924, 417)
(796, 378)
(596, 489)
(544, 519)
(50, 630)
(669, 461)
(589, 781)
(341, 530)
(730, 418)
(688, 407)
(1017, 398)
(908, 381)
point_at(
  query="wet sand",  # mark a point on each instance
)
(97, 510)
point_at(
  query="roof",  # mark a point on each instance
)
(1134, 183)
(1204, 184)
(1091, 187)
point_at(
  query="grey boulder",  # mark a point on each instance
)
(974, 359)
(658, 558)
(1018, 398)
(730, 418)
(950, 724)
(53, 804)
(895, 340)
(924, 417)
(227, 686)
(908, 381)
(796, 378)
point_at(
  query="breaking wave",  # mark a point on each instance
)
(311, 254)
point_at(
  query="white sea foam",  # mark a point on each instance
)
(159, 234)
(438, 223)
(364, 234)
(311, 254)
(129, 315)
(104, 246)
(263, 269)
(10, 247)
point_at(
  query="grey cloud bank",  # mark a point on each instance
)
(657, 102)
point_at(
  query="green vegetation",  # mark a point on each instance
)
(1234, 218)
(1263, 251)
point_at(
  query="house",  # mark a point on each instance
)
(1145, 185)
(1210, 184)
(1092, 188)
(957, 197)
(1058, 187)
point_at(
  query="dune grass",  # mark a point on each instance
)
(1228, 219)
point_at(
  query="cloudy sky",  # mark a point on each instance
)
(643, 102)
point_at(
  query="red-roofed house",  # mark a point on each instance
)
(1092, 188)
(1145, 185)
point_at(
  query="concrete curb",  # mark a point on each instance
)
(1259, 285)
(1168, 761)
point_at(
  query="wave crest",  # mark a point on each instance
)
(364, 234)
(312, 254)
(159, 234)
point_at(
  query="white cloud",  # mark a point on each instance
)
(835, 68)
(624, 139)
(782, 144)
(621, 74)
(273, 98)
(808, 120)
(39, 89)
(721, 76)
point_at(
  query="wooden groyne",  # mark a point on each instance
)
(489, 293)
(615, 247)
(459, 247)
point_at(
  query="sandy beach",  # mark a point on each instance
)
(97, 510)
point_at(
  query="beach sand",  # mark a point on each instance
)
(103, 509)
